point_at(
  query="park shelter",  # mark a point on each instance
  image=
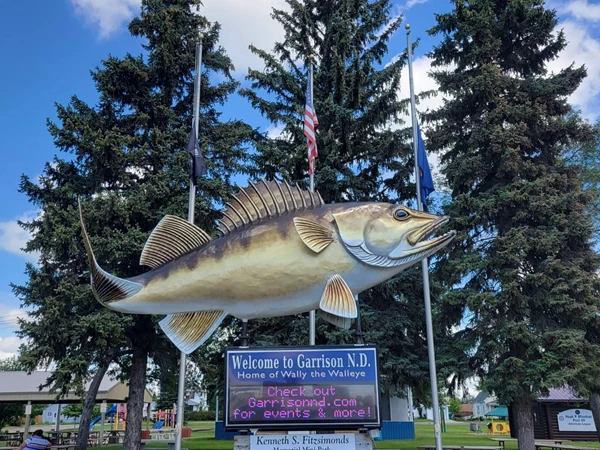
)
(21, 387)
(562, 414)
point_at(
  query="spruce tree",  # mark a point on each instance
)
(365, 154)
(126, 160)
(521, 267)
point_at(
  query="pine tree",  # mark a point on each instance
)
(126, 160)
(521, 267)
(365, 154)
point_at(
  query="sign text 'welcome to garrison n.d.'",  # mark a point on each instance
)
(302, 387)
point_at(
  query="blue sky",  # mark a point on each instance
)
(49, 48)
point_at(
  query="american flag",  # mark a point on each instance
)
(310, 123)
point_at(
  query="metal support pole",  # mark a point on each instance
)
(244, 336)
(313, 314)
(312, 330)
(191, 214)
(359, 335)
(102, 421)
(428, 317)
(217, 408)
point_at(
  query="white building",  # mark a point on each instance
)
(197, 401)
(483, 404)
(49, 415)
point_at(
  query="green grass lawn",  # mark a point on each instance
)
(456, 434)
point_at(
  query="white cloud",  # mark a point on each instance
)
(9, 346)
(410, 3)
(239, 19)
(274, 131)
(107, 15)
(581, 9)
(422, 82)
(582, 48)
(13, 238)
(9, 343)
(245, 22)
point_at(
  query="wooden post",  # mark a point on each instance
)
(27, 420)
(102, 421)
(57, 422)
(148, 416)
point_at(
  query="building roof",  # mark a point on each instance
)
(481, 397)
(563, 394)
(498, 411)
(21, 387)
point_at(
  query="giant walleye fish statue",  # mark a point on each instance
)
(282, 251)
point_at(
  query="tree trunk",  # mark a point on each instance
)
(595, 407)
(88, 407)
(135, 401)
(522, 408)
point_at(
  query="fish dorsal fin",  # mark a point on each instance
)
(265, 200)
(172, 237)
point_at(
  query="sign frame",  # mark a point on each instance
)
(299, 424)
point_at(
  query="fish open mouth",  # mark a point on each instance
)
(419, 236)
(419, 242)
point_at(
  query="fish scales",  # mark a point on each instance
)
(251, 265)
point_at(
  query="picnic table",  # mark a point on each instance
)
(550, 445)
(170, 443)
(461, 447)
(540, 442)
(64, 446)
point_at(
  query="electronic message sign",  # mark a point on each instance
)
(317, 387)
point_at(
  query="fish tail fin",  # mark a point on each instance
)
(188, 331)
(106, 287)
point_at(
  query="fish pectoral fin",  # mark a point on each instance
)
(337, 299)
(172, 237)
(188, 331)
(314, 235)
(335, 320)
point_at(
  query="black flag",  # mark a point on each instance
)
(198, 166)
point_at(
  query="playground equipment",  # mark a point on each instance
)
(111, 412)
(499, 425)
(121, 417)
(168, 417)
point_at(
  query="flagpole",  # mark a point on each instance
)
(191, 214)
(428, 318)
(313, 314)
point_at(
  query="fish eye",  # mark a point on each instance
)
(400, 214)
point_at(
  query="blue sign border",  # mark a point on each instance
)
(366, 370)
